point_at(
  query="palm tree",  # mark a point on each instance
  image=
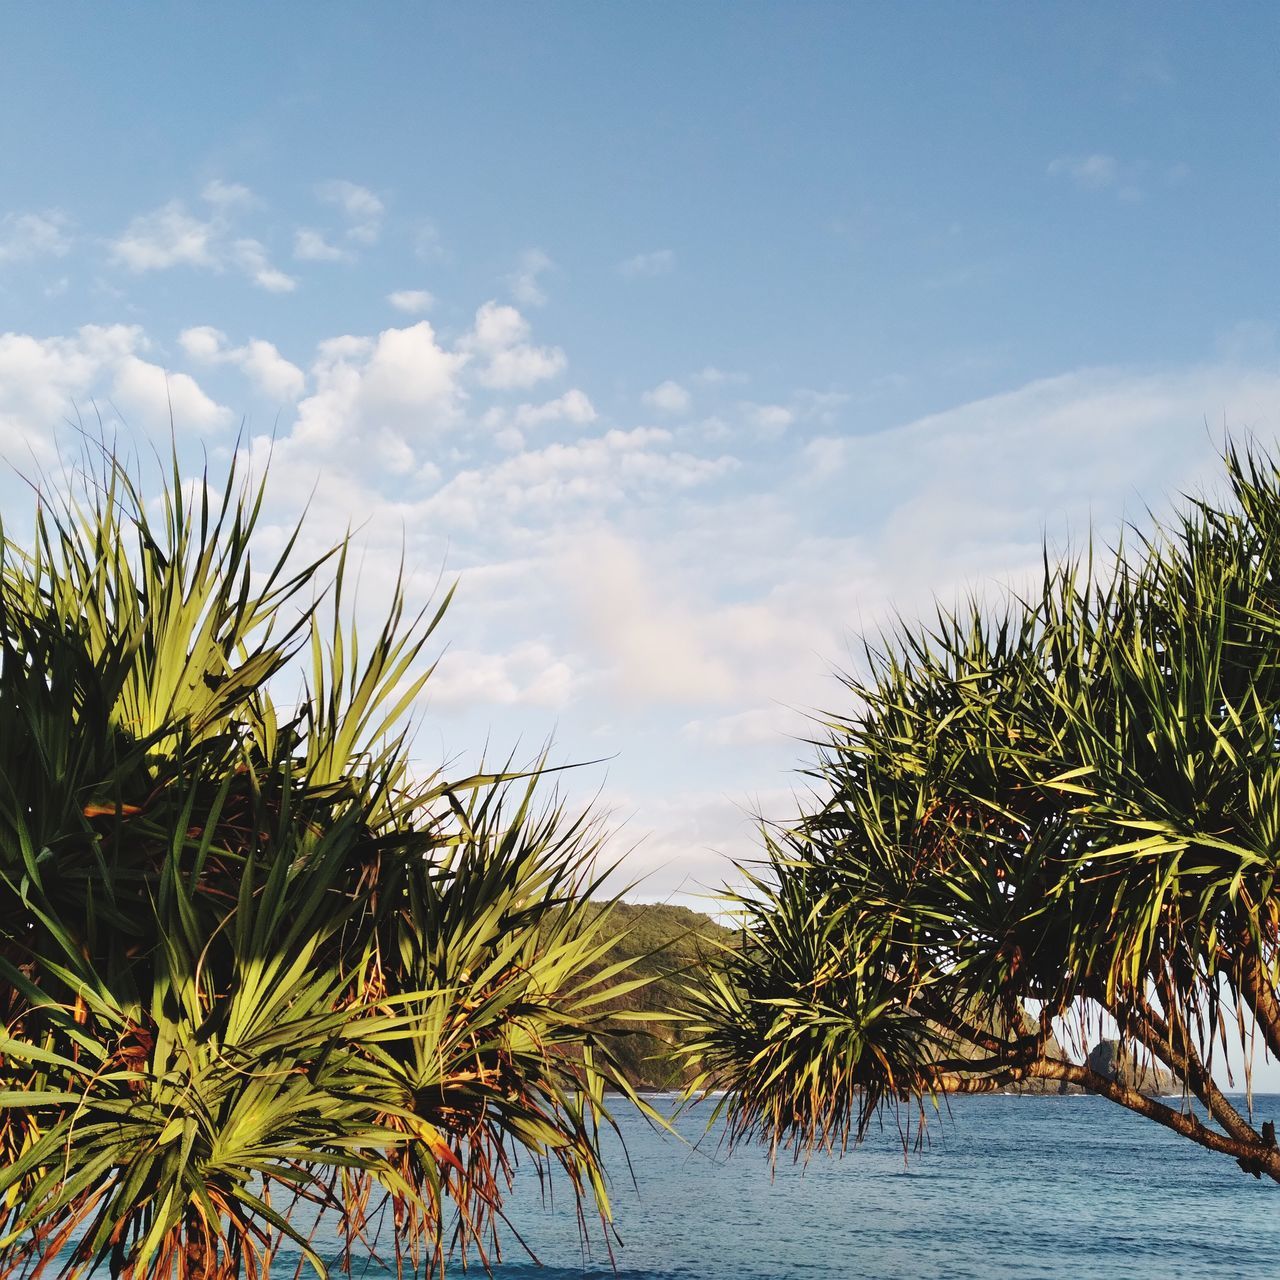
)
(252, 969)
(1036, 824)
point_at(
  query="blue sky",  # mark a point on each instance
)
(694, 339)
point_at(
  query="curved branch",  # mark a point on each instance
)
(1018, 1049)
(1260, 994)
(1158, 1036)
(1256, 1156)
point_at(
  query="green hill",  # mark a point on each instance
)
(664, 943)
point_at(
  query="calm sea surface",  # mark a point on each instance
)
(1008, 1187)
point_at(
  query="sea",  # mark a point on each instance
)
(1009, 1187)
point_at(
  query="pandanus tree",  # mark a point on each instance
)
(252, 969)
(1038, 821)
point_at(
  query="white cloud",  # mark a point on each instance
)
(252, 259)
(228, 195)
(34, 235)
(522, 366)
(309, 245)
(769, 419)
(159, 398)
(824, 454)
(507, 360)
(42, 380)
(716, 377)
(1092, 172)
(359, 206)
(574, 406)
(393, 452)
(172, 237)
(989, 477)
(819, 406)
(587, 474)
(655, 643)
(531, 674)
(269, 371)
(669, 397)
(403, 382)
(167, 237)
(759, 726)
(658, 262)
(496, 328)
(408, 368)
(260, 361)
(746, 589)
(684, 837)
(203, 342)
(411, 301)
(526, 281)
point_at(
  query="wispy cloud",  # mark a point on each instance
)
(714, 377)
(428, 244)
(251, 257)
(309, 245)
(360, 207)
(1092, 172)
(530, 674)
(228, 195)
(769, 419)
(657, 262)
(1098, 172)
(660, 645)
(171, 236)
(412, 302)
(525, 282)
(34, 235)
(167, 237)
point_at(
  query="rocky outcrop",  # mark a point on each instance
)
(1117, 1062)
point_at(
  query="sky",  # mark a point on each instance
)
(695, 342)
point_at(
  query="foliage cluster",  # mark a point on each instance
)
(251, 969)
(1069, 804)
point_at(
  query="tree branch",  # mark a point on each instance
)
(1256, 1156)
(1260, 993)
(1168, 1041)
(1014, 1050)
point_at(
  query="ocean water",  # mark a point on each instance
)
(1007, 1187)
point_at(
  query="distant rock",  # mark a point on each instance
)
(1116, 1062)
